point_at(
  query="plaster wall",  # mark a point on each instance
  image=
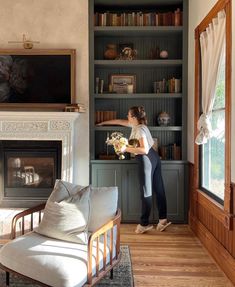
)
(56, 24)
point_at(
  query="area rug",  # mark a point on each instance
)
(122, 274)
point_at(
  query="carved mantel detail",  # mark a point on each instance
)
(18, 127)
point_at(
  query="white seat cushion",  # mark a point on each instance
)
(53, 262)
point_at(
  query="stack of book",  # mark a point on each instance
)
(101, 116)
(167, 86)
(80, 108)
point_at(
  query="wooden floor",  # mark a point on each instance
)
(174, 257)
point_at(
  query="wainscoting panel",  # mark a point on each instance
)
(213, 226)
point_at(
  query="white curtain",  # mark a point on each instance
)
(212, 44)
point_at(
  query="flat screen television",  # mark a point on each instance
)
(37, 78)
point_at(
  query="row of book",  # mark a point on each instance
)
(172, 85)
(101, 116)
(170, 152)
(138, 19)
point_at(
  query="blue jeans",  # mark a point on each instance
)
(150, 179)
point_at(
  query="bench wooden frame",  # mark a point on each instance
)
(19, 220)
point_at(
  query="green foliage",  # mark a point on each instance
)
(220, 88)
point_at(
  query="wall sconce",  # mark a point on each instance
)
(27, 44)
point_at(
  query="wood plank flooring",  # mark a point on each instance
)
(172, 258)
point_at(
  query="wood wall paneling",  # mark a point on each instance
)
(207, 220)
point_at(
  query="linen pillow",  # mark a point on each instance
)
(68, 218)
(63, 189)
(103, 206)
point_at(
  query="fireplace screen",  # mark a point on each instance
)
(30, 168)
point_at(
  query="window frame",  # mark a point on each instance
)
(223, 212)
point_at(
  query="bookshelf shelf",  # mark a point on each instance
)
(119, 128)
(137, 63)
(139, 96)
(114, 31)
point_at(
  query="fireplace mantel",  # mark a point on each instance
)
(43, 126)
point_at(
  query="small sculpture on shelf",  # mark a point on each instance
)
(164, 54)
(127, 52)
(163, 119)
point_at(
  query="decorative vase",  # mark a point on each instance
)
(110, 52)
(163, 119)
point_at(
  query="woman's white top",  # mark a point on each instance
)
(142, 131)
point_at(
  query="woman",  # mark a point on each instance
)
(149, 168)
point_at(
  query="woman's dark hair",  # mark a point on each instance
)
(139, 113)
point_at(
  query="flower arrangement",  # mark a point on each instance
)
(117, 140)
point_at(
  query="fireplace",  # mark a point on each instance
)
(38, 148)
(29, 168)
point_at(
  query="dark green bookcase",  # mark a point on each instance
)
(144, 39)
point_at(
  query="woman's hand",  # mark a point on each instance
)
(123, 149)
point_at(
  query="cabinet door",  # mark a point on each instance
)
(107, 175)
(131, 201)
(173, 177)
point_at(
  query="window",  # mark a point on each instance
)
(213, 152)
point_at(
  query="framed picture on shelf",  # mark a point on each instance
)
(122, 83)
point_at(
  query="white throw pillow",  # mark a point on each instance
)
(104, 202)
(67, 219)
(63, 189)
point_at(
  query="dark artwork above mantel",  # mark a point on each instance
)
(36, 77)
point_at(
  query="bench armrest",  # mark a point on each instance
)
(95, 238)
(20, 217)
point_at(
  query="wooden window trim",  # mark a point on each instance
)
(222, 212)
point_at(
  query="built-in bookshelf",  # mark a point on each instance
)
(138, 56)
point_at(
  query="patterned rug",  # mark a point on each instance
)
(122, 275)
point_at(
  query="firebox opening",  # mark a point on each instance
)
(29, 168)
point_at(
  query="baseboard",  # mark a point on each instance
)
(222, 257)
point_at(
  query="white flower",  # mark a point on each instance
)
(118, 142)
